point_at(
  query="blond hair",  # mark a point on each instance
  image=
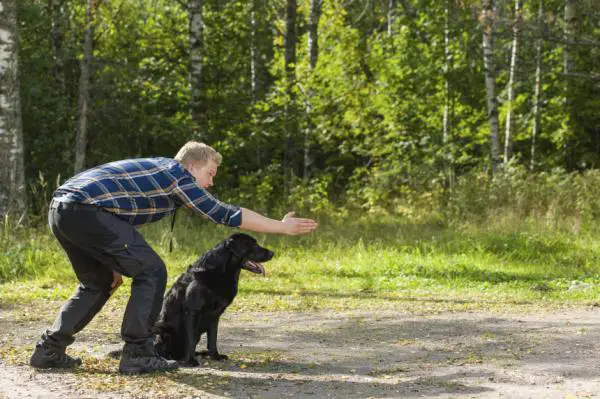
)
(193, 151)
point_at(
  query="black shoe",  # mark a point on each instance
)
(137, 359)
(46, 358)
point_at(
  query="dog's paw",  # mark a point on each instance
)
(190, 363)
(213, 355)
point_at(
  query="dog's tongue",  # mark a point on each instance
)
(254, 267)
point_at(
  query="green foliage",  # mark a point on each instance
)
(370, 114)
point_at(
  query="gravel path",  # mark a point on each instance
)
(336, 355)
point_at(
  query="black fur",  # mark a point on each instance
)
(196, 301)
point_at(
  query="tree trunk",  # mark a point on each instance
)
(446, 122)
(12, 166)
(569, 33)
(448, 172)
(568, 36)
(56, 10)
(84, 91)
(290, 43)
(313, 50)
(391, 16)
(511, 82)
(313, 32)
(537, 114)
(260, 49)
(488, 20)
(196, 37)
(254, 51)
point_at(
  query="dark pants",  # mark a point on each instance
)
(98, 242)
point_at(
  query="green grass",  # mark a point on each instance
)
(358, 264)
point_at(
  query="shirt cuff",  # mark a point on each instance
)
(235, 220)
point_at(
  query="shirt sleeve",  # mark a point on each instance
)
(199, 200)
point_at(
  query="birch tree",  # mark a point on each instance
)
(569, 33)
(196, 37)
(254, 50)
(290, 42)
(12, 167)
(313, 51)
(56, 9)
(446, 118)
(570, 20)
(83, 102)
(511, 81)
(446, 122)
(261, 49)
(488, 18)
(537, 114)
(391, 17)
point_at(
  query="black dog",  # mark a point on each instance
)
(196, 301)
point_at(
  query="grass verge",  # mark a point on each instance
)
(356, 265)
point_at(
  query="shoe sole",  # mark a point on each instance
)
(45, 367)
(136, 370)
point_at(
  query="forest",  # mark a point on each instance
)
(336, 107)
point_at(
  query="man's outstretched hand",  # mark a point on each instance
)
(289, 225)
(295, 226)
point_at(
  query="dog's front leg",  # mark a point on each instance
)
(189, 346)
(211, 342)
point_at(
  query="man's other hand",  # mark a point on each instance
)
(117, 281)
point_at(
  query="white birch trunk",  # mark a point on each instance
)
(261, 48)
(511, 82)
(448, 168)
(56, 9)
(254, 52)
(537, 114)
(12, 167)
(313, 32)
(313, 50)
(290, 42)
(568, 35)
(391, 16)
(446, 122)
(488, 20)
(83, 103)
(196, 37)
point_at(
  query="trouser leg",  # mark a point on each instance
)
(91, 293)
(147, 290)
(98, 243)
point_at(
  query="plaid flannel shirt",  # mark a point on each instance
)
(145, 190)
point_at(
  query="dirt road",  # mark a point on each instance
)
(336, 355)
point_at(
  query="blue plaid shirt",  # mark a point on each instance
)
(144, 190)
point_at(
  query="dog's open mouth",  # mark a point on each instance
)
(254, 267)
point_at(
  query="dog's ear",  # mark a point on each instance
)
(240, 243)
(212, 261)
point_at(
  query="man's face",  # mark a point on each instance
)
(204, 174)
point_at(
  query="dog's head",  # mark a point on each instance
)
(238, 251)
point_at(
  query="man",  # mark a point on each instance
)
(93, 216)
